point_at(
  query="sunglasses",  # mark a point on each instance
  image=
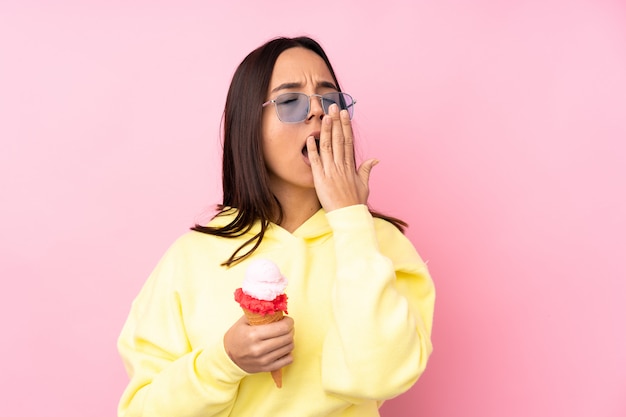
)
(295, 107)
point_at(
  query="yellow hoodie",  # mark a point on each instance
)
(361, 299)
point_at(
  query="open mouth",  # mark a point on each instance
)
(305, 151)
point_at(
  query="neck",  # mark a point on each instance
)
(297, 208)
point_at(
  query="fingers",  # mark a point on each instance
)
(313, 152)
(348, 140)
(273, 330)
(275, 344)
(366, 169)
(326, 141)
(272, 354)
(337, 139)
(260, 348)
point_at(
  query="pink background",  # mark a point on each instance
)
(501, 131)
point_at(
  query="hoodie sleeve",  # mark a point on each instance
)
(167, 377)
(383, 303)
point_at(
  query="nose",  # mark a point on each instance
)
(315, 110)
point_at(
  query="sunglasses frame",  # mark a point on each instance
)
(320, 96)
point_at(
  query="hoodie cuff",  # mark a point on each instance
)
(353, 229)
(214, 364)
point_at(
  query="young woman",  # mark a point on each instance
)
(359, 295)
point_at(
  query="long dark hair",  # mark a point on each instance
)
(245, 181)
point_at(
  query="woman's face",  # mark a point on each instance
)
(297, 70)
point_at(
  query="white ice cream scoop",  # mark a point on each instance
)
(263, 280)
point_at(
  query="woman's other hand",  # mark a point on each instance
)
(262, 348)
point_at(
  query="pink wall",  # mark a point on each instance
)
(502, 138)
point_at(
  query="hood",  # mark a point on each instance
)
(316, 227)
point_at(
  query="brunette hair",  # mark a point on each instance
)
(245, 181)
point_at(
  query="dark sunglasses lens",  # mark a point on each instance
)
(343, 100)
(292, 107)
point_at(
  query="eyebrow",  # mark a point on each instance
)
(321, 84)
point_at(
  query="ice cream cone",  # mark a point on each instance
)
(262, 298)
(256, 319)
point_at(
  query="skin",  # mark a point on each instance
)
(326, 178)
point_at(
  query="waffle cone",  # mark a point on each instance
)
(256, 319)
